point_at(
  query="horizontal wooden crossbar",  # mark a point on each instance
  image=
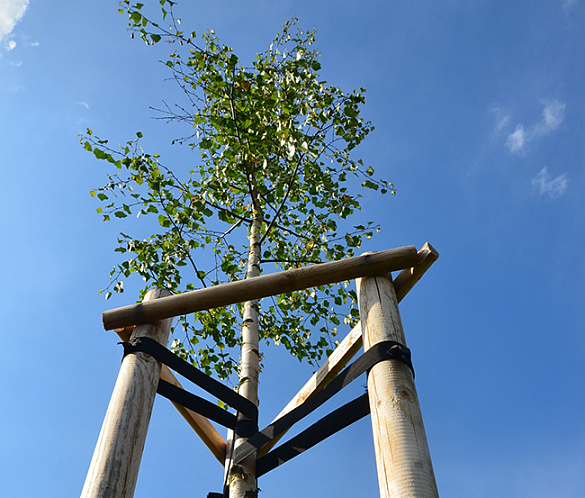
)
(366, 265)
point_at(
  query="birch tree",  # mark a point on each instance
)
(271, 190)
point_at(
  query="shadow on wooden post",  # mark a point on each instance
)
(114, 467)
(402, 454)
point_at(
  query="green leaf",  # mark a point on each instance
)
(100, 154)
(371, 185)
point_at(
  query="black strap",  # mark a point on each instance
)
(197, 404)
(245, 424)
(327, 426)
(212, 386)
(386, 350)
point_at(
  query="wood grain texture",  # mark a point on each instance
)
(402, 455)
(200, 424)
(264, 286)
(116, 460)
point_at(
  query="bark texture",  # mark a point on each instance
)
(242, 477)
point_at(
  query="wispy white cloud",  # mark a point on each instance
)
(502, 119)
(83, 103)
(517, 139)
(544, 184)
(567, 4)
(10, 13)
(10, 45)
(553, 115)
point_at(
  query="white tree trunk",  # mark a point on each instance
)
(242, 477)
(402, 455)
(114, 467)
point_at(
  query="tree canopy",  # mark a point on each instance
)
(271, 188)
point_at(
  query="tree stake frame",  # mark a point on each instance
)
(402, 455)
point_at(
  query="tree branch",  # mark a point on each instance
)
(180, 230)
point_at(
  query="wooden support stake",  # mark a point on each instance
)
(259, 287)
(402, 455)
(114, 467)
(200, 424)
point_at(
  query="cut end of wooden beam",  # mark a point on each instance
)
(430, 251)
(407, 278)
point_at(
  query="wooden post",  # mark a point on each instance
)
(114, 467)
(402, 455)
(201, 425)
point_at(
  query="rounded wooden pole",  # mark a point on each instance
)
(114, 467)
(402, 455)
(251, 289)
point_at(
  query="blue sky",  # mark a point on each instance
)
(479, 108)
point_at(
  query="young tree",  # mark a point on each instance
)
(269, 191)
